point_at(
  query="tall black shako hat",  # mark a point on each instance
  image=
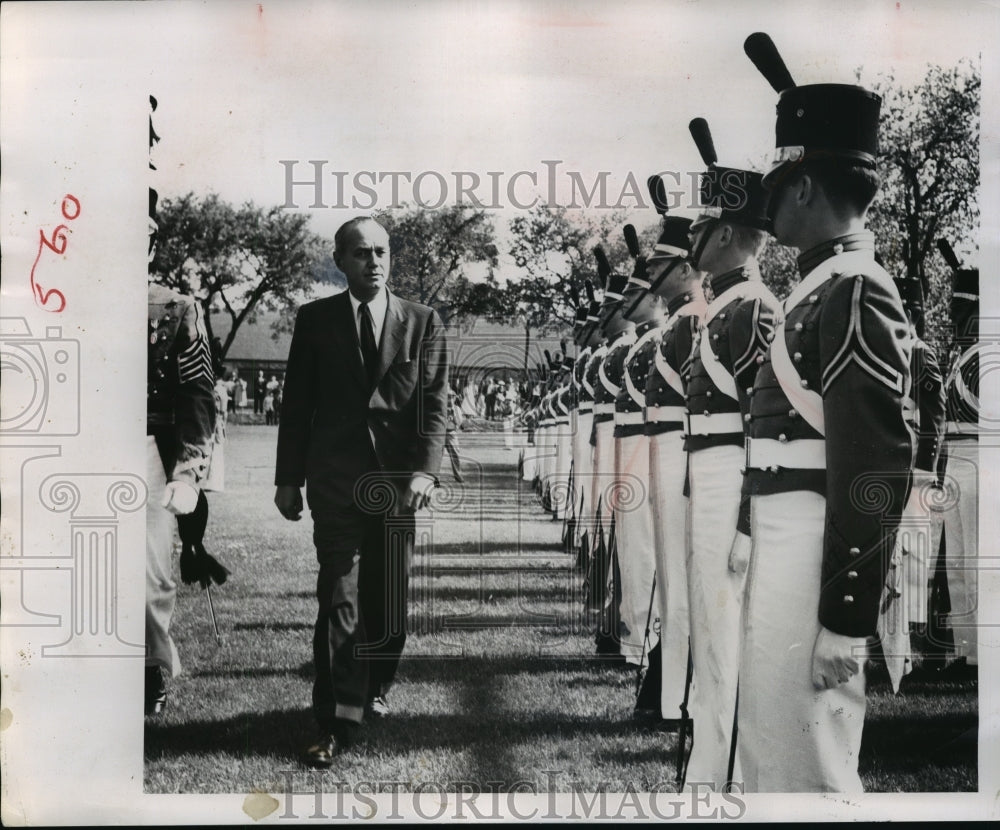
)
(964, 296)
(638, 277)
(614, 283)
(673, 240)
(911, 292)
(727, 193)
(816, 120)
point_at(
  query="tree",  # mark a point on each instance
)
(240, 260)
(432, 251)
(929, 142)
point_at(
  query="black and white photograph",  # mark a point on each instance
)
(555, 411)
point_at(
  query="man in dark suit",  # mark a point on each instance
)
(364, 415)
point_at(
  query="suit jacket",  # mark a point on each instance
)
(334, 427)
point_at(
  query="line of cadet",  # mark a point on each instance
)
(747, 481)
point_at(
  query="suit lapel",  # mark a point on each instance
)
(347, 333)
(393, 331)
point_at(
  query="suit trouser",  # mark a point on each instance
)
(636, 558)
(583, 469)
(962, 546)
(792, 738)
(161, 589)
(715, 595)
(361, 624)
(667, 468)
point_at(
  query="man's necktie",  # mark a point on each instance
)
(369, 348)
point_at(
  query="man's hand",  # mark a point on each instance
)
(418, 491)
(288, 499)
(836, 658)
(180, 498)
(739, 554)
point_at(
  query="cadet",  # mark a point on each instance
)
(633, 517)
(180, 425)
(593, 530)
(962, 437)
(621, 335)
(678, 283)
(828, 449)
(588, 338)
(925, 412)
(726, 240)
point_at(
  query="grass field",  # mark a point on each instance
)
(499, 683)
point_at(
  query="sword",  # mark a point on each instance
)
(682, 755)
(645, 640)
(211, 610)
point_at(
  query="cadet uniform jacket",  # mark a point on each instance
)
(962, 393)
(582, 395)
(926, 404)
(180, 393)
(666, 379)
(827, 411)
(610, 376)
(630, 405)
(734, 334)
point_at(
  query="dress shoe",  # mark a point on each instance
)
(156, 691)
(321, 754)
(377, 708)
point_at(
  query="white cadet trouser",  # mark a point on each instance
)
(715, 595)
(916, 537)
(962, 546)
(792, 738)
(667, 468)
(529, 466)
(583, 468)
(636, 557)
(161, 590)
(560, 472)
(604, 477)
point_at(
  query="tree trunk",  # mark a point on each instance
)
(527, 342)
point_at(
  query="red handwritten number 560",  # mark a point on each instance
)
(54, 299)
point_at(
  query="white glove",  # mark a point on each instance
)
(836, 658)
(739, 554)
(180, 498)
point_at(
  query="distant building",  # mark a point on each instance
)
(477, 350)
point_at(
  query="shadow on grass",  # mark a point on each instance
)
(284, 733)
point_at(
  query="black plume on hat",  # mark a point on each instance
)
(728, 192)
(944, 246)
(658, 194)
(761, 50)
(603, 266)
(702, 136)
(631, 241)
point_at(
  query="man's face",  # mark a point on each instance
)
(781, 210)
(365, 260)
(700, 239)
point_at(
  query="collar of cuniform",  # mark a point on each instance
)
(679, 301)
(860, 241)
(723, 282)
(642, 328)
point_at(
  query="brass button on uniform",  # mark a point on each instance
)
(848, 599)
(855, 551)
